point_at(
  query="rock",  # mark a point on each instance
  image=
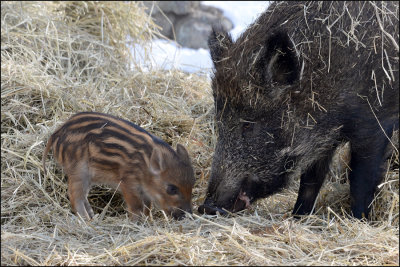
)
(191, 20)
(215, 15)
(193, 31)
(179, 7)
(212, 10)
(151, 7)
(166, 21)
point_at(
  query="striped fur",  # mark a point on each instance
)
(96, 148)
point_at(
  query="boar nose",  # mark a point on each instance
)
(211, 210)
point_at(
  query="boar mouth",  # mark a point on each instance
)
(241, 202)
(211, 210)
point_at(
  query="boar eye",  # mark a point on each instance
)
(247, 127)
(172, 189)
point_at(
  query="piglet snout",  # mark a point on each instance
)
(179, 214)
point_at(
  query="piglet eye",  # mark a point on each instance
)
(172, 189)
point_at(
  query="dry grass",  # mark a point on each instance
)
(61, 58)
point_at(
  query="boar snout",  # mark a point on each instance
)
(240, 203)
(230, 196)
(210, 209)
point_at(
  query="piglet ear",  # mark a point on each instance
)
(219, 42)
(182, 153)
(156, 164)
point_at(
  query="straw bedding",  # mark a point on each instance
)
(62, 58)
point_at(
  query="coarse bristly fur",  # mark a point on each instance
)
(304, 78)
(100, 148)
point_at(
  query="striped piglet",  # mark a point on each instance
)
(96, 148)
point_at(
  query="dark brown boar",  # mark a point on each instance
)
(302, 79)
(96, 148)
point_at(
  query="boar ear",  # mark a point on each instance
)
(156, 164)
(280, 60)
(182, 153)
(219, 41)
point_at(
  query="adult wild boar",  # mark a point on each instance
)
(301, 80)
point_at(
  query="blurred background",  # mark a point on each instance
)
(186, 25)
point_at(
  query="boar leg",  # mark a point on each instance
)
(366, 172)
(310, 184)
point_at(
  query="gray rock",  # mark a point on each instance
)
(151, 6)
(166, 21)
(212, 10)
(193, 31)
(191, 21)
(179, 7)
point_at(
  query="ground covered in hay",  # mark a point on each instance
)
(61, 58)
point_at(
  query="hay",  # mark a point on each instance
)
(61, 58)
